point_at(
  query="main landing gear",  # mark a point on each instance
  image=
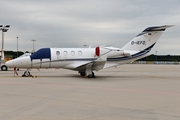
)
(89, 75)
(88, 71)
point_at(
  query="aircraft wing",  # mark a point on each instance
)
(77, 64)
(99, 63)
(96, 64)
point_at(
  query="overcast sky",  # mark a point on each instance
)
(73, 23)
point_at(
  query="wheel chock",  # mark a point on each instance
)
(34, 76)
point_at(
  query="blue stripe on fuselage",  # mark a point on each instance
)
(141, 53)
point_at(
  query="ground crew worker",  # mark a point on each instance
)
(15, 72)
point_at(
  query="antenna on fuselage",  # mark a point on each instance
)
(87, 45)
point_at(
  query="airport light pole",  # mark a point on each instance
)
(4, 28)
(156, 57)
(17, 46)
(33, 45)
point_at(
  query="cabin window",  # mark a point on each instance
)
(79, 53)
(57, 53)
(65, 53)
(72, 53)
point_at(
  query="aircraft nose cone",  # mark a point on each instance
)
(10, 63)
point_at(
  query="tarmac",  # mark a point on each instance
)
(129, 92)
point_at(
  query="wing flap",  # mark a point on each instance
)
(77, 64)
(98, 65)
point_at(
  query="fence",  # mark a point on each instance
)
(156, 62)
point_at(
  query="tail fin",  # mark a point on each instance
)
(146, 39)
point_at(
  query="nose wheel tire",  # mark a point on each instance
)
(26, 74)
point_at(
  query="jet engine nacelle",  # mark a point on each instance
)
(119, 53)
(111, 52)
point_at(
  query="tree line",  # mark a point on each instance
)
(13, 54)
(174, 58)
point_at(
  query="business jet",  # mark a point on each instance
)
(87, 60)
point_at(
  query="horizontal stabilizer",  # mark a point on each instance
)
(157, 28)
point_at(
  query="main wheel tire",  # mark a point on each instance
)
(91, 75)
(82, 74)
(4, 68)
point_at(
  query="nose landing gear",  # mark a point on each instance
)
(26, 74)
